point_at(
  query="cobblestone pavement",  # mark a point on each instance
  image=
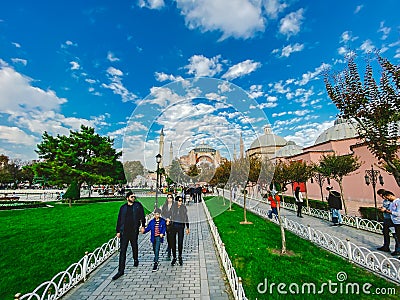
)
(200, 277)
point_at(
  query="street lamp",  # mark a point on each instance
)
(158, 160)
(371, 177)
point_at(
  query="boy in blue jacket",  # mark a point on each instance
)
(158, 227)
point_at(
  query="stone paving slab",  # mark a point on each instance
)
(200, 277)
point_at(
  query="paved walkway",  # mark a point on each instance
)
(359, 237)
(200, 277)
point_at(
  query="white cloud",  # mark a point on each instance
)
(273, 7)
(256, 91)
(234, 18)
(347, 36)
(367, 46)
(385, 30)
(312, 75)
(111, 57)
(17, 45)
(151, 4)
(200, 65)
(241, 69)
(117, 86)
(306, 134)
(14, 135)
(74, 65)
(290, 25)
(289, 49)
(19, 61)
(358, 9)
(166, 77)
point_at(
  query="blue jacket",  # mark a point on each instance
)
(152, 227)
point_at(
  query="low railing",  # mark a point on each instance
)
(352, 221)
(388, 267)
(235, 282)
(76, 273)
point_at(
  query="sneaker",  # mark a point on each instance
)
(180, 261)
(173, 262)
(136, 263)
(395, 253)
(384, 249)
(118, 275)
(155, 267)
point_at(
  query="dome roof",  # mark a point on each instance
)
(204, 148)
(341, 129)
(289, 150)
(268, 139)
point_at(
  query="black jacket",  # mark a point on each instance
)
(179, 216)
(138, 217)
(334, 200)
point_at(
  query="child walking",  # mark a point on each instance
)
(158, 227)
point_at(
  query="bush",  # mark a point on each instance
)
(370, 213)
(72, 192)
(313, 203)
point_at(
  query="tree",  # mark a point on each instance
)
(299, 171)
(374, 107)
(193, 172)
(83, 156)
(336, 167)
(176, 173)
(221, 178)
(132, 169)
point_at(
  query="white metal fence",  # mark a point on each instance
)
(78, 272)
(235, 282)
(388, 267)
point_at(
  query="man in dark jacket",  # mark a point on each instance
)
(130, 217)
(335, 204)
(180, 220)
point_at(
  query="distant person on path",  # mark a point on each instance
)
(130, 216)
(335, 204)
(275, 201)
(180, 220)
(298, 197)
(394, 211)
(166, 213)
(387, 222)
(158, 227)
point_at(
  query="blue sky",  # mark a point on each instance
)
(205, 70)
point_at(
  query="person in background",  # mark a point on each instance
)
(335, 204)
(157, 226)
(394, 211)
(298, 196)
(130, 217)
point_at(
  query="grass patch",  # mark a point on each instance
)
(255, 253)
(38, 243)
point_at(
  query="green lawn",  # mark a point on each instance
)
(254, 252)
(36, 244)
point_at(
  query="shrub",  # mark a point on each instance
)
(72, 192)
(370, 213)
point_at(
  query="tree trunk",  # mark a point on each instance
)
(341, 195)
(395, 172)
(283, 237)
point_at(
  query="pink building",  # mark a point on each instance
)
(341, 139)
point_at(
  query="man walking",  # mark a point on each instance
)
(130, 216)
(394, 211)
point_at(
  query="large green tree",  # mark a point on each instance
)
(133, 169)
(337, 167)
(375, 108)
(83, 156)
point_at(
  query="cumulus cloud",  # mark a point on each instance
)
(116, 85)
(200, 66)
(312, 75)
(306, 134)
(15, 135)
(161, 77)
(273, 7)
(151, 4)
(241, 69)
(289, 49)
(290, 24)
(367, 46)
(74, 65)
(111, 57)
(234, 18)
(19, 61)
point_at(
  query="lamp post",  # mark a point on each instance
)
(158, 160)
(371, 177)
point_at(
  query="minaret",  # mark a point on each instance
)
(161, 147)
(241, 146)
(171, 154)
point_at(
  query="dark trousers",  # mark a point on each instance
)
(177, 230)
(169, 239)
(387, 223)
(397, 228)
(124, 242)
(299, 207)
